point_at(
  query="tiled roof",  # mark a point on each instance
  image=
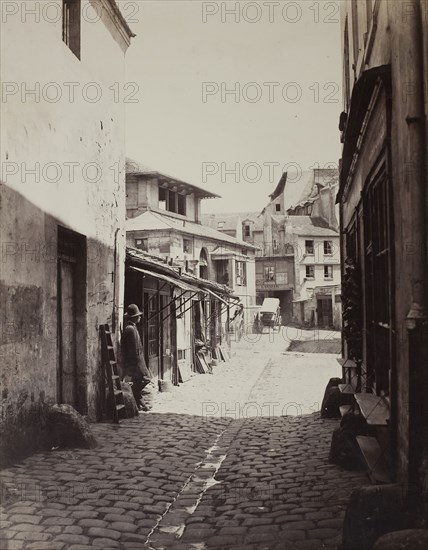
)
(153, 221)
(304, 225)
(230, 220)
(139, 169)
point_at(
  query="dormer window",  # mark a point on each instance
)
(220, 225)
(247, 231)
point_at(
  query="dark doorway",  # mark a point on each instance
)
(71, 323)
(325, 312)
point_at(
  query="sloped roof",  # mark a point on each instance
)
(230, 219)
(300, 190)
(138, 169)
(143, 259)
(154, 221)
(305, 226)
(326, 176)
(295, 189)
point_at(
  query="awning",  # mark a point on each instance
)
(170, 280)
(360, 100)
(217, 296)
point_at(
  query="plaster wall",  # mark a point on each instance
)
(62, 162)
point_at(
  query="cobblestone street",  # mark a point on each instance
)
(216, 464)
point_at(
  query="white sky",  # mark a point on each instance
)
(171, 128)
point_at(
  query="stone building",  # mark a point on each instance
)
(383, 200)
(164, 219)
(62, 209)
(298, 256)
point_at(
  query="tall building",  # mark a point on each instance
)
(62, 211)
(383, 210)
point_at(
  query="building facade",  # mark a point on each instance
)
(383, 198)
(298, 255)
(316, 299)
(164, 220)
(62, 211)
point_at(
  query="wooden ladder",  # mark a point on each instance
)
(116, 402)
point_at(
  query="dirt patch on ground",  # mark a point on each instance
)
(317, 346)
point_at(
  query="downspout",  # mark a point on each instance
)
(416, 320)
(114, 276)
(416, 120)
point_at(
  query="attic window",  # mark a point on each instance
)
(71, 25)
(172, 201)
(277, 208)
(220, 225)
(182, 204)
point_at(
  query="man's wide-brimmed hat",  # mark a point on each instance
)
(133, 311)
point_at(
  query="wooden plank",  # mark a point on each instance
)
(346, 388)
(375, 459)
(374, 408)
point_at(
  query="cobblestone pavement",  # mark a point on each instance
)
(238, 476)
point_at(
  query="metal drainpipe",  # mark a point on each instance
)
(416, 320)
(416, 120)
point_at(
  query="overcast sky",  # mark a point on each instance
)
(285, 67)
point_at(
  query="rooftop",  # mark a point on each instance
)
(229, 220)
(138, 169)
(154, 221)
(305, 226)
(300, 188)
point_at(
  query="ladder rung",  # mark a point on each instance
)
(120, 407)
(115, 377)
(117, 392)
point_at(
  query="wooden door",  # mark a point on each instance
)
(152, 337)
(67, 367)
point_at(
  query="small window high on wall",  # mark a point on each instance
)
(71, 25)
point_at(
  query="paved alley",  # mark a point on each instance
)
(216, 464)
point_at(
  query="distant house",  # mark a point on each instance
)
(164, 219)
(317, 272)
(301, 208)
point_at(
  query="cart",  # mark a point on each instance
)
(270, 314)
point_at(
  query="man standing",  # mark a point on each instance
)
(134, 364)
